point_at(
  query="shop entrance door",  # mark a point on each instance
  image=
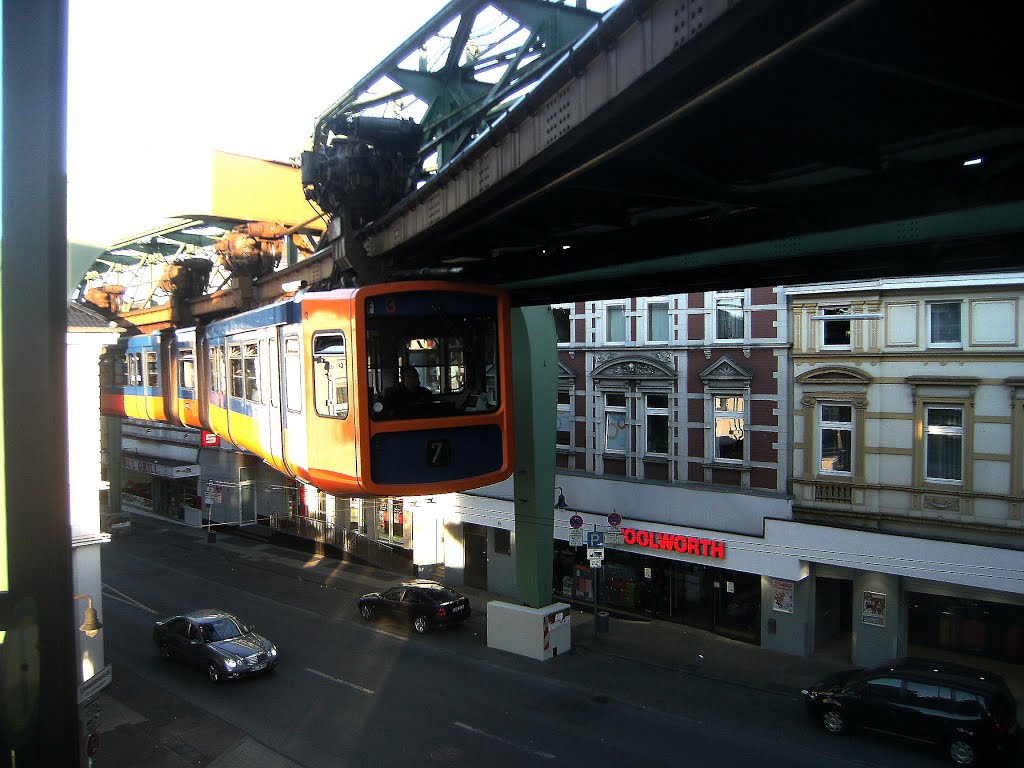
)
(475, 547)
(738, 605)
(833, 617)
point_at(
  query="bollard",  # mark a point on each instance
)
(601, 625)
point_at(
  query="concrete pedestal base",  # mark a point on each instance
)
(539, 633)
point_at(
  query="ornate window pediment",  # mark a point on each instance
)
(835, 375)
(620, 369)
(726, 372)
(566, 377)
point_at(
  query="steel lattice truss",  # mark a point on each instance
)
(463, 70)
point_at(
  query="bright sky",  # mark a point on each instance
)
(154, 87)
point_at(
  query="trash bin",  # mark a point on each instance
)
(602, 621)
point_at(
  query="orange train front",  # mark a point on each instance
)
(319, 386)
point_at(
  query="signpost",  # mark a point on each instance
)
(595, 542)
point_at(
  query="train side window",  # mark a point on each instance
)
(134, 369)
(293, 373)
(330, 375)
(152, 371)
(186, 369)
(218, 370)
(250, 360)
(120, 370)
(215, 369)
(237, 375)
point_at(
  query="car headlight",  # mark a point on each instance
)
(273, 651)
(230, 663)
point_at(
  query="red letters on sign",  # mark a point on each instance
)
(684, 545)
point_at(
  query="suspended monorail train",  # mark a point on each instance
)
(392, 389)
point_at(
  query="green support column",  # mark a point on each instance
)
(535, 378)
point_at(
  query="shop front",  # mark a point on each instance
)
(966, 624)
(649, 576)
(160, 486)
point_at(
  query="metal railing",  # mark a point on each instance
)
(350, 542)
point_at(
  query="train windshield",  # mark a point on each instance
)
(432, 355)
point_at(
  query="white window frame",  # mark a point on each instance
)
(624, 421)
(717, 413)
(945, 344)
(608, 308)
(564, 410)
(567, 308)
(724, 296)
(649, 411)
(839, 310)
(649, 325)
(847, 426)
(945, 431)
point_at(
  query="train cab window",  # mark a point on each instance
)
(330, 375)
(186, 369)
(152, 371)
(237, 374)
(250, 361)
(433, 359)
(293, 373)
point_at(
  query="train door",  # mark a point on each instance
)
(270, 422)
(151, 380)
(292, 398)
(168, 376)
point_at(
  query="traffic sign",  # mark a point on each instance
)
(595, 538)
(575, 521)
(575, 537)
(92, 744)
(595, 553)
(615, 519)
(595, 562)
(615, 538)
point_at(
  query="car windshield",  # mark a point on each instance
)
(441, 594)
(223, 628)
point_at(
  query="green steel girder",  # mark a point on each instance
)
(456, 97)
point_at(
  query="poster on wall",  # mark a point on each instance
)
(782, 595)
(874, 609)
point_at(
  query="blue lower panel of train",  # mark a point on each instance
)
(436, 455)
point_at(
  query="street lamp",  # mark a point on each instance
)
(560, 504)
(91, 626)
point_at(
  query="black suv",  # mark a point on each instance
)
(969, 712)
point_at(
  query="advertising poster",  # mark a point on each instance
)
(874, 609)
(782, 595)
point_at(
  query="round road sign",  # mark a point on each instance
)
(615, 519)
(576, 521)
(92, 744)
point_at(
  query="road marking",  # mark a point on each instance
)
(502, 740)
(338, 680)
(116, 594)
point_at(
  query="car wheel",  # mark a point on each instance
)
(214, 673)
(366, 611)
(962, 752)
(165, 651)
(833, 721)
(420, 624)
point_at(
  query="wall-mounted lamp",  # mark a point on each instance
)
(560, 504)
(91, 625)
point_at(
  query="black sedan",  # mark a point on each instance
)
(425, 604)
(216, 641)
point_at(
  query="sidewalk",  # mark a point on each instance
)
(145, 726)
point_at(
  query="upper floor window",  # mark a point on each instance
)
(836, 332)
(616, 429)
(615, 323)
(836, 425)
(944, 443)
(730, 426)
(729, 316)
(563, 429)
(656, 423)
(944, 324)
(563, 329)
(657, 321)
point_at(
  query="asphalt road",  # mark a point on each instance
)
(352, 693)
